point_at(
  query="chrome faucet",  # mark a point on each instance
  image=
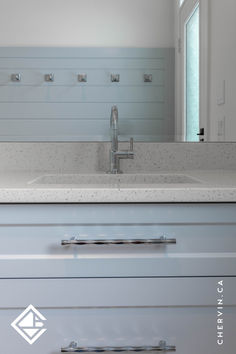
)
(115, 154)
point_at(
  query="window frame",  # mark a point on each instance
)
(185, 101)
(203, 70)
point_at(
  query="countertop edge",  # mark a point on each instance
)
(165, 195)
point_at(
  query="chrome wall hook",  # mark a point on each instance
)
(82, 77)
(49, 77)
(16, 77)
(115, 78)
(147, 77)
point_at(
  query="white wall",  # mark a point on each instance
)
(131, 23)
(222, 66)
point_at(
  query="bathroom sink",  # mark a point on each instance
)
(108, 179)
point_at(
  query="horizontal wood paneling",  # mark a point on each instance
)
(82, 130)
(81, 94)
(44, 110)
(35, 110)
(86, 63)
(86, 52)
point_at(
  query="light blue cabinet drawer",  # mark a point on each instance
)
(120, 312)
(195, 240)
(191, 330)
(112, 292)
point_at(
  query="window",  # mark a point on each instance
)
(192, 76)
(192, 94)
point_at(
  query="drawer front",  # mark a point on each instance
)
(120, 313)
(190, 330)
(176, 240)
(112, 292)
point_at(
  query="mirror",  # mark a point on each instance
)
(168, 65)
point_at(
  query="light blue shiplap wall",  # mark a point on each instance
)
(67, 110)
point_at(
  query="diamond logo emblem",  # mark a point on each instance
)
(30, 324)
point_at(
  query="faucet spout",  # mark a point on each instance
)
(114, 117)
(115, 154)
(114, 128)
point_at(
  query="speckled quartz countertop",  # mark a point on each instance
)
(210, 186)
(211, 165)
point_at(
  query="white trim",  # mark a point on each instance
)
(204, 67)
(178, 74)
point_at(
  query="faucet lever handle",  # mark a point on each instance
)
(131, 142)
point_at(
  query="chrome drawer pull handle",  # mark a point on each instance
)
(162, 347)
(156, 241)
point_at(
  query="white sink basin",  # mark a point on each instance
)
(105, 179)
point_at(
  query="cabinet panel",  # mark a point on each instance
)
(31, 235)
(116, 292)
(120, 312)
(190, 329)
